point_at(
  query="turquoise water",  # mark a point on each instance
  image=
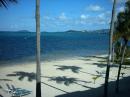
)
(18, 45)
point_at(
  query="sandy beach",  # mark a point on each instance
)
(58, 77)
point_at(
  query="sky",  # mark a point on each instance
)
(59, 15)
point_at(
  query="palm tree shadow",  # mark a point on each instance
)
(63, 79)
(67, 81)
(102, 65)
(85, 59)
(21, 75)
(1, 95)
(74, 69)
(99, 57)
(6, 80)
(98, 92)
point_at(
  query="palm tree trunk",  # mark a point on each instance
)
(120, 66)
(120, 48)
(113, 53)
(38, 67)
(110, 50)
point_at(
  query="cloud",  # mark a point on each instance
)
(14, 26)
(46, 17)
(84, 20)
(83, 16)
(121, 9)
(94, 8)
(62, 16)
(101, 18)
(102, 15)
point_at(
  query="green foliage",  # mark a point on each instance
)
(118, 48)
(122, 29)
(122, 34)
(95, 78)
(118, 51)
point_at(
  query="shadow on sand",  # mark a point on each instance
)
(1, 95)
(5, 80)
(88, 57)
(54, 87)
(102, 65)
(21, 75)
(98, 92)
(74, 69)
(68, 81)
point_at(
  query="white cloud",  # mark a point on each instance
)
(94, 8)
(121, 9)
(102, 15)
(84, 16)
(46, 18)
(62, 16)
(14, 26)
(101, 19)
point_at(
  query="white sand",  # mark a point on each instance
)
(50, 88)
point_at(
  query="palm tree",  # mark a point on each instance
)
(122, 31)
(118, 50)
(110, 49)
(38, 70)
(120, 66)
(4, 3)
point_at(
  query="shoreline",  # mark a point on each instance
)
(59, 76)
(32, 59)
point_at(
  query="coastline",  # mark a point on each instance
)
(59, 76)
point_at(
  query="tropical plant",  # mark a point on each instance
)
(123, 33)
(4, 3)
(110, 49)
(122, 74)
(95, 78)
(38, 67)
(117, 51)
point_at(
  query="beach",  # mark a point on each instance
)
(70, 63)
(65, 48)
(59, 77)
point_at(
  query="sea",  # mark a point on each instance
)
(21, 45)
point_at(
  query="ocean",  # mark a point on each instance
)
(54, 45)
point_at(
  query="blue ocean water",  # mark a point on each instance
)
(18, 45)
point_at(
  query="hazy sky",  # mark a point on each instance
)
(58, 15)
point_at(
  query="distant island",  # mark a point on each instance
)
(23, 31)
(102, 31)
(76, 31)
(86, 31)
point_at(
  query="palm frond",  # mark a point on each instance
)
(117, 36)
(4, 3)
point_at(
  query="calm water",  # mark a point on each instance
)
(18, 45)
